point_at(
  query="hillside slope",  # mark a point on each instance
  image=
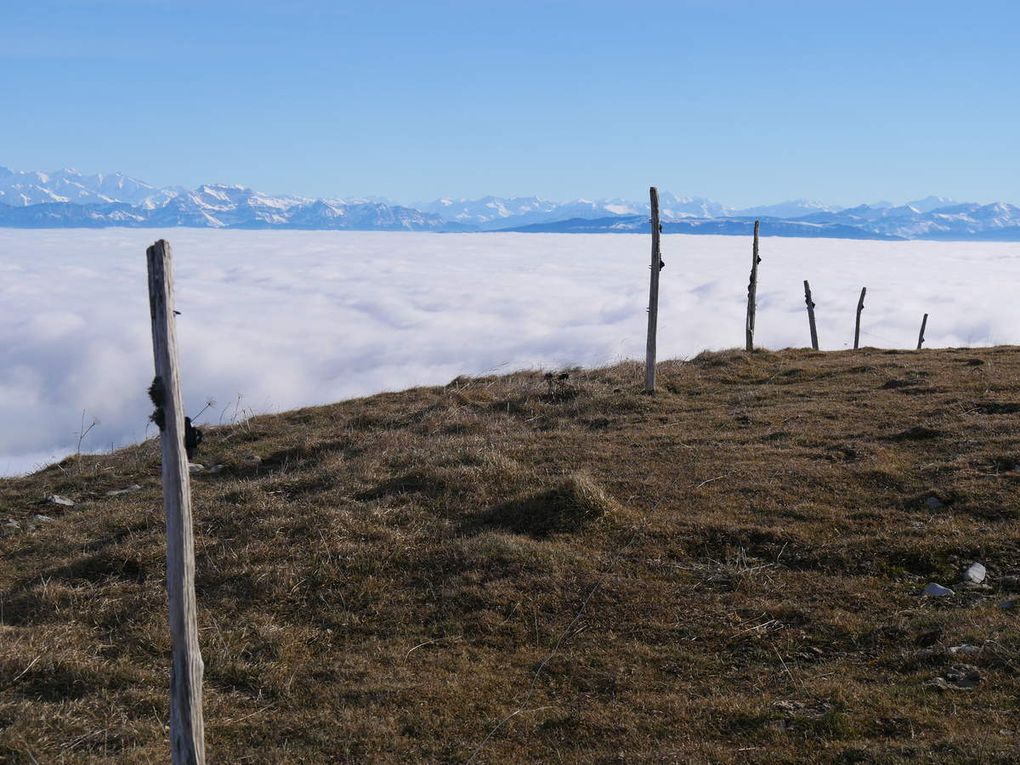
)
(492, 572)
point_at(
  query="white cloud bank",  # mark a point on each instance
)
(295, 318)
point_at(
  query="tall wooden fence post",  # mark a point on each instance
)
(920, 337)
(653, 295)
(811, 315)
(752, 290)
(187, 734)
(857, 326)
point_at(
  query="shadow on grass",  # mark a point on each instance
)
(570, 506)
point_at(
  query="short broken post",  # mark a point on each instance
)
(811, 315)
(653, 294)
(752, 290)
(187, 735)
(920, 337)
(857, 326)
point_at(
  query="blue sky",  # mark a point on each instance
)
(745, 102)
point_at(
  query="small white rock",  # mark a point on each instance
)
(56, 499)
(935, 590)
(966, 650)
(975, 573)
(194, 467)
(42, 518)
(128, 490)
(963, 676)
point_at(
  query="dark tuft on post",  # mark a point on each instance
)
(157, 395)
(192, 438)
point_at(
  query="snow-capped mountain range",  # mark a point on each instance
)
(21, 189)
(67, 198)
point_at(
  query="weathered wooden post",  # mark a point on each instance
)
(857, 326)
(653, 295)
(920, 337)
(187, 734)
(752, 290)
(811, 315)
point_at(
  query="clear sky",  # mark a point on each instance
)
(745, 102)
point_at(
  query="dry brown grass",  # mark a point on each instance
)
(727, 572)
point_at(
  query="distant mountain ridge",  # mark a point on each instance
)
(70, 199)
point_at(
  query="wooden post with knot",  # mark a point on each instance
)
(811, 315)
(187, 734)
(920, 337)
(752, 290)
(857, 325)
(653, 294)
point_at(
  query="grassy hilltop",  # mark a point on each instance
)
(494, 572)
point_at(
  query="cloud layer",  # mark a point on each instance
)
(285, 319)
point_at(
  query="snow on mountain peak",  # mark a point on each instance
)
(931, 203)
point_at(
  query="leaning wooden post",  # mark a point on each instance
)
(187, 735)
(811, 315)
(920, 337)
(857, 326)
(653, 295)
(752, 290)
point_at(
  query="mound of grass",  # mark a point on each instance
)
(572, 504)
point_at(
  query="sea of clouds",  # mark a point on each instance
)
(275, 320)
